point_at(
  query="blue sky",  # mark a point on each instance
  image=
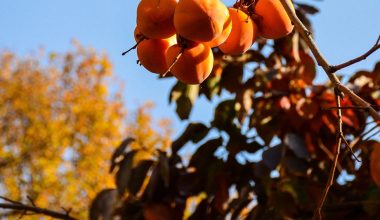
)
(343, 30)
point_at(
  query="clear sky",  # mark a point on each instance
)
(343, 30)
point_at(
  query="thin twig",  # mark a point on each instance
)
(372, 135)
(306, 36)
(10, 200)
(375, 47)
(24, 209)
(31, 201)
(348, 146)
(174, 62)
(141, 39)
(347, 108)
(330, 181)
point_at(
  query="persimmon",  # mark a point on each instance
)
(138, 35)
(273, 22)
(200, 20)
(243, 33)
(190, 65)
(223, 36)
(152, 53)
(155, 18)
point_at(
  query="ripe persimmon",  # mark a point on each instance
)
(243, 33)
(155, 18)
(200, 20)
(223, 36)
(152, 53)
(273, 20)
(190, 65)
(138, 35)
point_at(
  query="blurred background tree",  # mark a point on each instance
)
(59, 120)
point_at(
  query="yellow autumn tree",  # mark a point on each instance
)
(59, 125)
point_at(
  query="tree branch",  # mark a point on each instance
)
(306, 36)
(23, 208)
(330, 181)
(375, 47)
(340, 89)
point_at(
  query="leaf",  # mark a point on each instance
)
(296, 144)
(244, 98)
(295, 165)
(204, 153)
(272, 156)
(194, 132)
(261, 170)
(251, 147)
(211, 86)
(124, 173)
(221, 194)
(284, 103)
(184, 106)
(158, 211)
(119, 152)
(102, 207)
(176, 92)
(185, 97)
(375, 163)
(232, 77)
(297, 190)
(308, 69)
(307, 108)
(283, 203)
(224, 114)
(139, 176)
(308, 8)
(201, 211)
(164, 168)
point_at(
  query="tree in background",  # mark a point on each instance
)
(59, 123)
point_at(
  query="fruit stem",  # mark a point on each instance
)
(174, 62)
(135, 46)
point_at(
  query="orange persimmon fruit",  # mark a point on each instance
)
(273, 22)
(155, 18)
(243, 33)
(190, 65)
(200, 20)
(223, 36)
(152, 53)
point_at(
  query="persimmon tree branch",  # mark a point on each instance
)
(339, 89)
(340, 138)
(329, 69)
(25, 209)
(375, 47)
